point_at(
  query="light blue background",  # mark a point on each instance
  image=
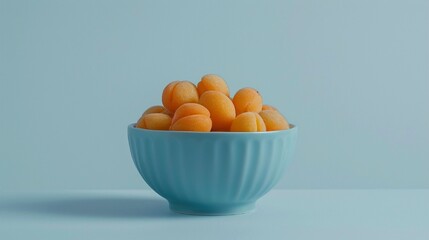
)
(353, 75)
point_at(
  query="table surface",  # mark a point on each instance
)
(281, 214)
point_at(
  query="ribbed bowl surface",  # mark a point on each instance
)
(211, 173)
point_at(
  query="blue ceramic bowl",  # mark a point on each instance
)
(216, 173)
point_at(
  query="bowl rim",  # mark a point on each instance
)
(292, 127)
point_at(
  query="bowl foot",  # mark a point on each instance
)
(212, 210)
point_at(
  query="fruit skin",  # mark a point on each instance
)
(247, 100)
(221, 108)
(268, 107)
(157, 109)
(154, 121)
(248, 122)
(196, 123)
(274, 120)
(214, 83)
(188, 109)
(177, 93)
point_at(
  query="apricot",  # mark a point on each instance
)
(274, 120)
(157, 109)
(188, 109)
(196, 122)
(247, 100)
(212, 82)
(268, 107)
(221, 108)
(248, 122)
(177, 93)
(154, 121)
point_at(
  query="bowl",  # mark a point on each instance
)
(211, 173)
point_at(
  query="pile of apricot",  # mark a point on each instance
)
(208, 107)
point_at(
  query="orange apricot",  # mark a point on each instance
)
(248, 122)
(154, 121)
(247, 100)
(196, 122)
(212, 82)
(157, 109)
(268, 107)
(177, 93)
(221, 108)
(188, 109)
(274, 120)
